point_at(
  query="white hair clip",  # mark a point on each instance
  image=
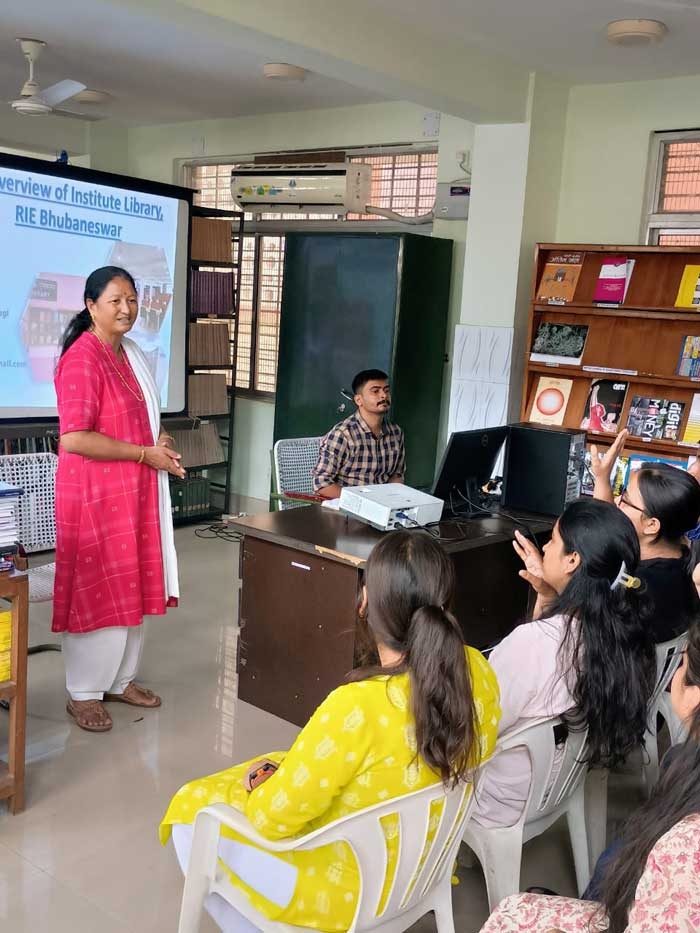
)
(625, 579)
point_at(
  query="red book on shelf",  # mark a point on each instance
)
(612, 280)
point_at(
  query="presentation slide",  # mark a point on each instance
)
(55, 231)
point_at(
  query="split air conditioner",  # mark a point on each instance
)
(322, 188)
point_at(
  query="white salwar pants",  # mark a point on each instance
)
(262, 871)
(104, 661)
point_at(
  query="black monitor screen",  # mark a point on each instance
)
(468, 464)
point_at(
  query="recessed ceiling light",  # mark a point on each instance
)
(636, 31)
(280, 71)
(91, 96)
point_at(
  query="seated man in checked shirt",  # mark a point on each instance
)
(365, 448)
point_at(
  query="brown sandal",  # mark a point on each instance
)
(90, 715)
(135, 695)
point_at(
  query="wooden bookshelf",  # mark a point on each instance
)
(638, 342)
(206, 437)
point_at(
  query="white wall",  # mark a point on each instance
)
(608, 131)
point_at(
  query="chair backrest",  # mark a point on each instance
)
(668, 658)
(425, 852)
(36, 475)
(557, 770)
(294, 459)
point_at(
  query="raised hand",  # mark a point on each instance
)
(602, 464)
(531, 557)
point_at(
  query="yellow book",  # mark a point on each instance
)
(689, 290)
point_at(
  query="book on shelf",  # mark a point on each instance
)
(691, 435)
(689, 290)
(606, 398)
(199, 446)
(655, 418)
(637, 461)
(559, 279)
(209, 343)
(613, 281)
(211, 293)
(559, 343)
(550, 401)
(689, 359)
(207, 394)
(211, 240)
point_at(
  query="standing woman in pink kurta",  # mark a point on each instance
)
(115, 557)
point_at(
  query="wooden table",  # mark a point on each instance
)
(15, 587)
(301, 573)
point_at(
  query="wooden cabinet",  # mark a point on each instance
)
(638, 342)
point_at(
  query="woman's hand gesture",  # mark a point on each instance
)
(530, 555)
(163, 458)
(602, 464)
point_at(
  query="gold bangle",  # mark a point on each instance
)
(143, 454)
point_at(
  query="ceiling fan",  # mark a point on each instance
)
(32, 101)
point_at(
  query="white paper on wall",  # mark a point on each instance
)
(480, 377)
(482, 353)
(475, 405)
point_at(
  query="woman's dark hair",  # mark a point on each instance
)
(410, 586)
(607, 653)
(672, 496)
(95, 284)
(676, 795)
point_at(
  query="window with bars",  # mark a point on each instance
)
(674, 211)
(404, 182)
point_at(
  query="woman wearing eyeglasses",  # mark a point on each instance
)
(663, 504)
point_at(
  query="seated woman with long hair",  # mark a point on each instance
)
(653, 883)
(587, 656)
(663, 504)
(428, 713)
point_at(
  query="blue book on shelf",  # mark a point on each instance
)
(6, 491)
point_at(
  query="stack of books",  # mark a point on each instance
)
(209, 344)
(9, 518)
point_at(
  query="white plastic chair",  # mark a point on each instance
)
(499, 849)
(422, 882)
(293, 460)
(668, 659)
(36, 475)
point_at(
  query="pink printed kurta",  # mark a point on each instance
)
(667, 899)
(109, 565)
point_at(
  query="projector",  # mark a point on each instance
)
(388, 506)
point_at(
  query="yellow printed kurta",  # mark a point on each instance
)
(358, 749)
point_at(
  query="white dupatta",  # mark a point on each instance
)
(167, 537)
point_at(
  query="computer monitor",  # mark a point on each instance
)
(467, 465)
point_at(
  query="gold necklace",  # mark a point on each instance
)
(137, 395)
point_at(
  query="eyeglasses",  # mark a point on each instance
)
(625, 501)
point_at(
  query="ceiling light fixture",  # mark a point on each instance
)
(632, 32)
(280, 71)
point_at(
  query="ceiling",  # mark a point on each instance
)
(564, 37)
(158, 70)
(161, 68)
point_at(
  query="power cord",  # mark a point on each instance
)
(218, 530)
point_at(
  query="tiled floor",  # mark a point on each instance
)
(85, 857)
